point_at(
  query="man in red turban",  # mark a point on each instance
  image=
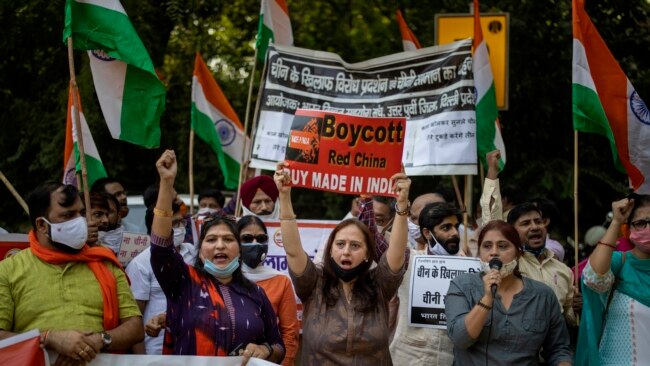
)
(258, 197)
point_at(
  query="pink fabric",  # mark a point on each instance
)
(624, 245)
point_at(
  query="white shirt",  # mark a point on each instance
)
(145, 287)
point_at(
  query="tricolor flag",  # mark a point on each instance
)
(488, 131)
(409, 41)
(275, 25)
(130, 94)
(605, 102)
(216, 123)
(71, 161)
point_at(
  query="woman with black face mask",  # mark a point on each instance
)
(345, 302)
(254, 247)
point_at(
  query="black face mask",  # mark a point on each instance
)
(252, 254)
(347, 275)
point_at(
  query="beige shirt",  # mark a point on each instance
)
(415, 345)
(556, 275)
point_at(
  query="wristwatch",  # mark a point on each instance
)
(106, 340)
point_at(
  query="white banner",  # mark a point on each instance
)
(432, 87)
(149, 360)
(429, 283)
(132, 245)
(312, 234)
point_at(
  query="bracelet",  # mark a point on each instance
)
(406, 210)
(484, 306)
(268, 346)
(613, 246)
(162, 213)
(292, 218)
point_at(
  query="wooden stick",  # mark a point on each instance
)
(245, 155)
(459, 198)
(466, 214)
(77, 122)
(575, 205)
(15, 193)
(191, 169)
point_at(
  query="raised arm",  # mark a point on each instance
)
(601, 258)
(491, 207)
(399, 234)
(162, 214)
(296, 256)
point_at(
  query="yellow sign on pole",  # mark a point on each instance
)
(454, 27)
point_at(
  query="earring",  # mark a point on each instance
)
(366, 260)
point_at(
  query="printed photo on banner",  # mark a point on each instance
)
(432, 88)
(346, 154)
(430, 278)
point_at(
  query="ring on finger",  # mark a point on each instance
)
(87, 348)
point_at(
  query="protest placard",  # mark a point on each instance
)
(433, 88)
(132, 245)
(429, 282)
(345, 154)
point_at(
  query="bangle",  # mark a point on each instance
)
(292, 218)
(481, 304)
(268, 346)
(162, 213)
(613, 246)
(405, 211)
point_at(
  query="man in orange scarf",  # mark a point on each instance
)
(77, 296)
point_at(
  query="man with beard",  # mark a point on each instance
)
(538, 261)
(259, 196)
(98, 216)
(78, 296)
(115, 188)
(112, 235)
(439, 223)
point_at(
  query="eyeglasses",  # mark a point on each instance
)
(260, 238)
(640, 224)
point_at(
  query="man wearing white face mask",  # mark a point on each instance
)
(78, 296)
(439, 223)
(148, 294)
(112, 235)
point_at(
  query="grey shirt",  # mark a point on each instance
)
(533, 322)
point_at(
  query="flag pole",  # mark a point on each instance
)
(244, 152)
(191, 172)
(77, 123)
(459, 197)
(575, 205)
(13, 191)
(465, 213)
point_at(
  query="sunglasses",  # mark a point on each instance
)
(260, 238)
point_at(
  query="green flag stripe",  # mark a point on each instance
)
(94, 167)
(264, 34)
(143, 103)
(204, 128)
(589, 116)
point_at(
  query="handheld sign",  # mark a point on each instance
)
(430, 278)
(345, 154)
(132, 245)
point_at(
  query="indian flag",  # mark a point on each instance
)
(131, 96)
(488, 131)
(605, 102)
(71, 160)
(274, 25)
(215, 122)
(409, 42)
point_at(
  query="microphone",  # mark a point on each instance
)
(495, 263)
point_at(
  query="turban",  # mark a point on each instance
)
(250, 187)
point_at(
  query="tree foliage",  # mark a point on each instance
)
(537, 128)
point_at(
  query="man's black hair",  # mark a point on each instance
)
(434, 213)
(150, 195)
(388, 201)
(521, 210)
(214, 193)
(38, 200)
(100, 184)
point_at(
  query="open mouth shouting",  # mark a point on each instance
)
(536, 238)
(220, 259)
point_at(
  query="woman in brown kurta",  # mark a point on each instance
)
(345, 302)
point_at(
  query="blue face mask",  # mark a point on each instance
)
(217, 272)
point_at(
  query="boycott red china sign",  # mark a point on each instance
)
(343, 153)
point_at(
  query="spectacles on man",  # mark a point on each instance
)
(260, 238)
(640, 224)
